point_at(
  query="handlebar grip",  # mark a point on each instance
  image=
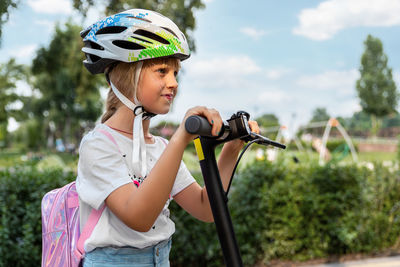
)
(198, 125)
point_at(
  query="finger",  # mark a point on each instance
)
(215, 120)
(254, 127)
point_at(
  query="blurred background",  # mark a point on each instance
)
(321, 76)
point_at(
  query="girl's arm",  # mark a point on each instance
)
(139, 207)
(194, 198)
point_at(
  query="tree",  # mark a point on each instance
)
(320, 114)
(266, 121)
(70, 98)
(5, 6)
(376, 88)
(10, 73)
(179, 11)
(359, 124)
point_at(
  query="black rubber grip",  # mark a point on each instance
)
(198, 125)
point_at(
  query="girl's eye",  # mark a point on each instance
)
(175, 73)
(162, 70)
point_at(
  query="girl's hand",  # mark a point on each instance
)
(236, 145)
(212, 115)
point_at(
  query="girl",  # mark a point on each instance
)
(134, 173)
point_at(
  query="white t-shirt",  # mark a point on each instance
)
(101, 170)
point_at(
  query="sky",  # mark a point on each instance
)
(285, 57)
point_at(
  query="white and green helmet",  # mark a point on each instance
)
(131, 36)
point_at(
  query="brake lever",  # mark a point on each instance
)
(265, 141)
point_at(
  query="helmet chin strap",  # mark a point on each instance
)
(139, 162)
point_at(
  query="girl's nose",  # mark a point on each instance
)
(171, 81)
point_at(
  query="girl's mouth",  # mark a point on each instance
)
(169, 97)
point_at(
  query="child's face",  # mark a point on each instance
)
(158, 87)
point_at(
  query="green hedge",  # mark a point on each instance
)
(21, 192)
(299, 212)
(279, 211)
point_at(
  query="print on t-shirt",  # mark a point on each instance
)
(137, 180)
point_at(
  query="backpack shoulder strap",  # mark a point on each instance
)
(163, 140)
(109, 135)
(94, 218)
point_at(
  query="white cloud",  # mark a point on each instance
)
(334, 90)
(226, 72)
(48, 24)
(275, 74)
(273, 95)
(51, 6)
(342, 82)
(229, 83)
(253, 32)
(24, 53)
(329, 17)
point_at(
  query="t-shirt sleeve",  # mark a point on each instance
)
(183, 179)
(101, 169)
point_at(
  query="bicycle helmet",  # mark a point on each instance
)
(130, 36)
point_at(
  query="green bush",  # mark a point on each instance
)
(279, 210)
(246, 201)
(299, 212)
(21, 192)
(194, 243)
(3, 134)
(312, 211)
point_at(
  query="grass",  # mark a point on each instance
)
(377, 156)
(9, 158)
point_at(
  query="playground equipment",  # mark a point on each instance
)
(332, 122)
(320, 147)
(234, 128)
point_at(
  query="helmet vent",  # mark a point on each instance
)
(139, 18)
(140, 39)
(111, 29)
(92, 58)
(85, 32)
(93, 45)
(151, 36)
(169, 30)
(128, 45)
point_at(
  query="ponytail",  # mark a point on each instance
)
(111, 106)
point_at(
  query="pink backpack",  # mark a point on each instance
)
(62, 240)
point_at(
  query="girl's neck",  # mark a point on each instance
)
(122, 121)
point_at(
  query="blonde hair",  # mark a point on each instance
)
(123, 77)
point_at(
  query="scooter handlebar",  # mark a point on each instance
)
(198, 125)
